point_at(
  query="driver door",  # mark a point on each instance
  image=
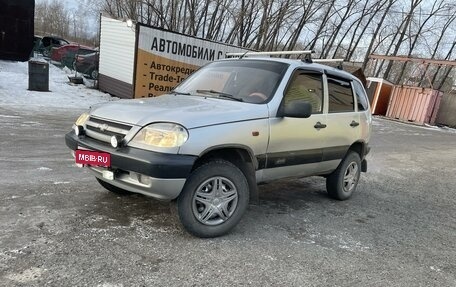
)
(296, 144)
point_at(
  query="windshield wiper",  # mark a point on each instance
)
(180, 93)
(220, 94)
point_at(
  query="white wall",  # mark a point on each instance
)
(117, 50)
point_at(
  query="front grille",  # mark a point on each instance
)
(103, 130)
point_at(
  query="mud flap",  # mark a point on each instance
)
(364, 165)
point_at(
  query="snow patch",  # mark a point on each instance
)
(11, 117)
(109, 285)
(435, 269)
(26, 276)
(44, 168)
(61, 182)
(38, 60)
(14, 91)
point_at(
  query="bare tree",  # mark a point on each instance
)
(436, 7)
(447, 69)
(387, 4)
(405, 25)
(339, 23)
(352, 29)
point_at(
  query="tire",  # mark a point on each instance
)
(206, 211)
(342, 182)
(46, 52)
(94, 74)
(112, 188)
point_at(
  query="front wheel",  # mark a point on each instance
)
(214, 199)
(343, 181)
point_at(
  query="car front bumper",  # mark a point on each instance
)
(154, 174)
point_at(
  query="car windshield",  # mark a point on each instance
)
(251, 81)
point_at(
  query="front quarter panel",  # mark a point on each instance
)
(253, 135)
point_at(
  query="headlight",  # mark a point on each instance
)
(82, 119)
(162, 135)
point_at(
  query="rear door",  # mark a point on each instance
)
(364, 113)
(343, 120)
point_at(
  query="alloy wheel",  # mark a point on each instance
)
(215, 201)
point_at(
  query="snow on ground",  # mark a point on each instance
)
(14, 91)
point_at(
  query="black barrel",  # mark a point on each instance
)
(38, 75)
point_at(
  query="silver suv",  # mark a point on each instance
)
(229, 126)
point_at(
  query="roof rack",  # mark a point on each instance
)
(270, 53)
(307, 56)
(339, 66)
(327, 60)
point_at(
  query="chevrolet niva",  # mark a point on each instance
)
(229, 126)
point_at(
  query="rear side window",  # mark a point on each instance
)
(360, 96)
(340, 95)
(307, 87)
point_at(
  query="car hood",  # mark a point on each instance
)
(189, 111)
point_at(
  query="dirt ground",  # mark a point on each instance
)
(59, 227)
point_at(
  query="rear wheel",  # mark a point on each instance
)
(214, 199)
(343, 181)
(112, 188)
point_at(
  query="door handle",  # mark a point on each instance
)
(354, 124)
(319, 125)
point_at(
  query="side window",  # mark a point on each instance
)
(307, 87)
(360, 96)
(340, 96)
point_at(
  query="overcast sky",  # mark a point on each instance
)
(91, 22)
(72, 4)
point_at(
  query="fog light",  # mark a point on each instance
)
(78, 130)
(144, 179)
(116, 141)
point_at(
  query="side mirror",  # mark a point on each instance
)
(296, 109)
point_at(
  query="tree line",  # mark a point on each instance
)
(349, 29)
(54, 17)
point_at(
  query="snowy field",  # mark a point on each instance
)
(14, 93)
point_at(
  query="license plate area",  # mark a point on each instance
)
(93, 158)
